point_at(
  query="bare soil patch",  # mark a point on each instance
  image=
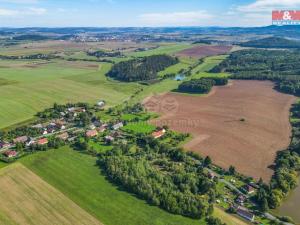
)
(27, 199)
(204, 51)
(243, 124)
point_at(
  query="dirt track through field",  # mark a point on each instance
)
(28, 200)
(215, 121)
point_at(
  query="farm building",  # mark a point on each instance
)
(109, 139)
(42, 141)
(159, 133)
(10, 154)
(243, 212)
(117, 126)
(5, 145)
(91, 133)
(38, 126)
(21, 139)
(102, 128)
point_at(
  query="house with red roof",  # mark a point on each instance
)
(159, 133)
(10, 154)
(42, 141)
(91, 133)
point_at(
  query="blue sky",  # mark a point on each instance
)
(114, 13)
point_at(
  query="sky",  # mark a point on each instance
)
(138, 13)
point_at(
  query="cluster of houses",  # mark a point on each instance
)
(58, 127)
(241, 199)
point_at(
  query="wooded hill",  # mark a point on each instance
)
(276, 65)
(141, 69)
(201, 86)
(272, 42)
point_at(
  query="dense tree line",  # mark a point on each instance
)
(202, 85)
(20, 131)
(279, 66)
(272, 42)
(163, 175)
(34, 56)
(30, 37)
(141, 69)
(56, 110)
(101, 53)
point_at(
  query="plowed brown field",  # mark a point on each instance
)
(242, 124)
(204, 51)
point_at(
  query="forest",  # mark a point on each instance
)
(272, 42)
(163, 175)
(141, 69)
(101, 53)
(280, 66)
(202, 85)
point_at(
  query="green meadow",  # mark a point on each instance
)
(77, 176)
(27, 89)
(29, 86)
(163, 49)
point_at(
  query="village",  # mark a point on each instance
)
(82, 126)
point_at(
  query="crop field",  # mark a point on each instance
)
(28, 200)
(204, 51)
(163, 49)
(69, 47)
(26, 90)
(77, 177)
(242, 124)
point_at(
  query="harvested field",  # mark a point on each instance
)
(204, 51)
(27, 199)
(242, 124)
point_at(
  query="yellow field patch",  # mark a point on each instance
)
(28, 200)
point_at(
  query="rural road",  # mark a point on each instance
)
(232, 187)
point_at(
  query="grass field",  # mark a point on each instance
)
(209, 63)
(28, 200)
(227, 218)
(136, 128)
(34, 89)
(164, 49)
(77, 176)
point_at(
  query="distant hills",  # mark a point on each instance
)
(272, 42)
(283, 31)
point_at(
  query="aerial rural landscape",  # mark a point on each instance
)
(149, 119)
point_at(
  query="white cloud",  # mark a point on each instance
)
(35, 11)
(269, 5)
(8, 12)
(21, 1)
(192, 18)
(23, 12)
